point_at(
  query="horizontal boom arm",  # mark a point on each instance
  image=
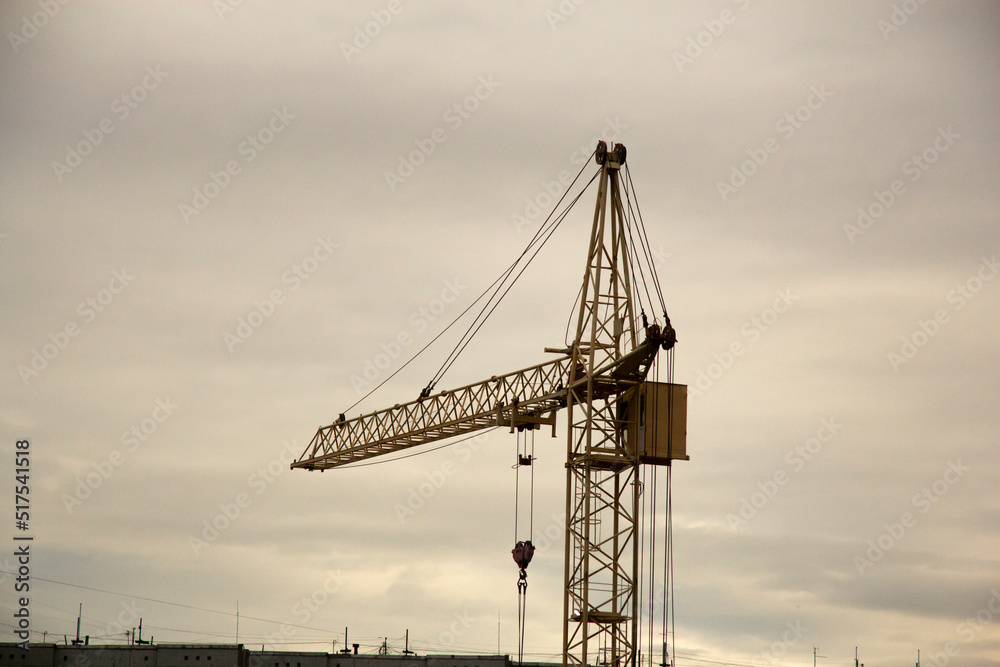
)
(515, 399)
(526, 393)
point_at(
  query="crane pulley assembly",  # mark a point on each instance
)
(620, 418)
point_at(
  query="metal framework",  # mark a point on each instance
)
(600, 604)
(602, 490)
(513, 399)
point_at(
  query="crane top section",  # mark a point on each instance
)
(615, 158)
(604, 361)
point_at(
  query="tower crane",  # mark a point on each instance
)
(618, 421)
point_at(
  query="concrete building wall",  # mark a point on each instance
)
(11, 656)
(220, 655)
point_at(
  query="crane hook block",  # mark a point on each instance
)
(522, 553)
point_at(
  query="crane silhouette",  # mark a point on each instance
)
(618, 420)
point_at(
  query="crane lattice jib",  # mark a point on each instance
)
(520, 395)
(514, 399)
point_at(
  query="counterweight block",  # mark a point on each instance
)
(653, 422)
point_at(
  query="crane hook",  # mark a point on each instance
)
(522, 553)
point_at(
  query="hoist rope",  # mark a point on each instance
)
(497, 284)
(670, 540)
(643, 237)
(522, 602)
(523, 454)
(655, 574)
(380, 460)
(418, 352)
(517, 481)
(531, 500)
(545, 232)
(629, 222)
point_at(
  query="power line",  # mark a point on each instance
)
(172, 604)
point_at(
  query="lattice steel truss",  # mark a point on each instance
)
(602, 491)
(515, 398)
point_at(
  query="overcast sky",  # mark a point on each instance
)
(216, 218)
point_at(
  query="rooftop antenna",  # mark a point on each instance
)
(346, 648)
(818, 656)
(78, 641)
